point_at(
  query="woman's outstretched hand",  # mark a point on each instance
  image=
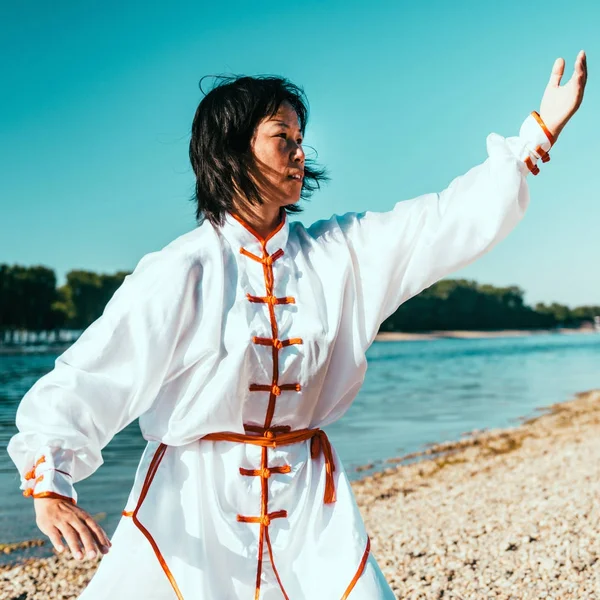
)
(560, 103)
(60, 519)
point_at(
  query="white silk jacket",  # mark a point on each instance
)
(234, 351)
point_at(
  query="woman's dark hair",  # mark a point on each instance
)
(220, 147)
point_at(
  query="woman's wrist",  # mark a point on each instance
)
(46, 498)
(551, 128)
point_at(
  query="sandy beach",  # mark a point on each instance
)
(507, 514)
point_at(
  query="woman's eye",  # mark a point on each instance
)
(285, 137)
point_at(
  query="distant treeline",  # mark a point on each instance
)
(460, 304)
(30, 300)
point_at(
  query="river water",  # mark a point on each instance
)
(415, 393)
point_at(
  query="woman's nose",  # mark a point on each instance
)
(298, 153)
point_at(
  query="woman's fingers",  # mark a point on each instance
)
(582, 61)
(101, 537)
(561, 102)
(579, 70)
(87, 539)
(558, 70)
(82, 538)
(73, 540)
(56, 539)
(581, 66)
(56, 517)
(580, 76)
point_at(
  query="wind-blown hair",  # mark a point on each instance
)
(220, 146)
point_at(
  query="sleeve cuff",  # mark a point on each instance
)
(50, 475)
(535, 141)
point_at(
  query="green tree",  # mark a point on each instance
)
(86, 294)
(465, 304)
(27, 295)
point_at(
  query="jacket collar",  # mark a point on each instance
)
(241, 235)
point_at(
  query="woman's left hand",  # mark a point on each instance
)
(560, 103)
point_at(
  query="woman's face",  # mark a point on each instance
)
(277, 150)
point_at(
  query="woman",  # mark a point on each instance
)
(236, 344)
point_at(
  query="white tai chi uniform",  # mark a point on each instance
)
(222, 331)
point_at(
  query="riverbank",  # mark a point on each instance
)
(387, 336)
(509, 514)
(506, 514)
(399, 336)
(14, 350)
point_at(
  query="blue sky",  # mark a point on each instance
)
(98, 97)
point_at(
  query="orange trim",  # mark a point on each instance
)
(267, 432)
(269, 437)
(283, 436)
(533, 168)
(249, 228)
(266, 473)
(263, 519)
(63, 472)
(279, 344)
(268, 538)
(320, 444)
(275, 389)
(359, 571)
(50, 495)
(541, 123)
(127, 513)
(261, 531)
(271, 299)
(265, 260)
(545, 156)
(31, 474)
(152, 469)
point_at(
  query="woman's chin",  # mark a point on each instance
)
(291, 199)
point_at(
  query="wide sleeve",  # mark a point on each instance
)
(397, 254)
(108, 378)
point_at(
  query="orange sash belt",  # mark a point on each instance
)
(283, 436)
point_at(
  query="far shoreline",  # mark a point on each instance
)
(386, 336)
(456, 334)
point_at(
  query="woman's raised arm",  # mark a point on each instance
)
(397, 254)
